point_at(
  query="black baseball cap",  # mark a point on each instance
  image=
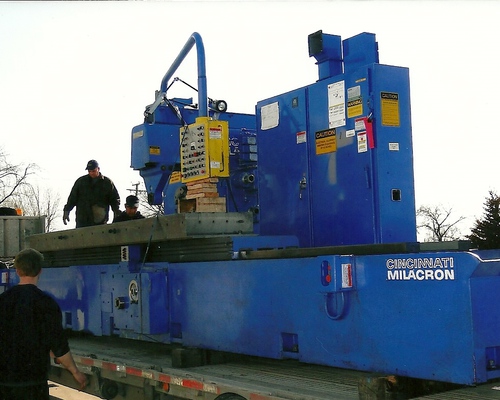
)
(92, 164)
(132, 201)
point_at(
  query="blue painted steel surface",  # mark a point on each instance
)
(357, 173)
(283, 164)
(418, 322)
(155, 143)
(424, 315)
(156, 155)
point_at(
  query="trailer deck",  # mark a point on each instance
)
(149, 364)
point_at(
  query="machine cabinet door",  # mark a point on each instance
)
(341, 164)
(283, 166)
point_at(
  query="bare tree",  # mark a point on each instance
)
(16, 191)
(438, 223)
(148, 210)
(13, 177)
(51, 206)
(36, 203)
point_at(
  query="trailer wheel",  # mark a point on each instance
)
(229, 396)
(109, 389)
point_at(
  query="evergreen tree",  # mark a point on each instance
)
(486, 232)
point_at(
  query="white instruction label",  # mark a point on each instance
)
(336, 104)
(346, 276)
(269, 116)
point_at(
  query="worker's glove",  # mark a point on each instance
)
(66, 217)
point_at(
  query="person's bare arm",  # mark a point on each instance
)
(69, 363)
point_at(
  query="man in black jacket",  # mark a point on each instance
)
(92, 195)
(31, 332)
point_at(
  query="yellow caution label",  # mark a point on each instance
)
(175, 177)
(354, 108)
(326, 141)
(155, 150)
(389, 108)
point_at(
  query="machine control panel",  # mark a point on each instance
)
(204, 149)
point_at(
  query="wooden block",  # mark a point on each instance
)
(186, 206)
(371, 388)
(188, 357)
(211, 204)
(202, 204)
(198, 195)
(203, 190)
(197, 185)
(204, 180)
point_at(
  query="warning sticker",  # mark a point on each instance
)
(215, 132)
(326, 141)
(354, 102)
(346, 276)
(154, 150)
(389, 108)
(354, 108)
(393, 146)
(301, 137)
(362, 142)
(175, 177)
(359, 124)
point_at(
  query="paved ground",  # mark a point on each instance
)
(58, 392)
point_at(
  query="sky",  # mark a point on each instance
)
(75, 78)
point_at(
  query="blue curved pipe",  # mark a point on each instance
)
(195, 38)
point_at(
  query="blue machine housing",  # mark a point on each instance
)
(335, 157)
(156, 155)
(424, 315)
(156, 148)
(334, 169)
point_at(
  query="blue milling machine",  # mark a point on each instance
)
(290, 233)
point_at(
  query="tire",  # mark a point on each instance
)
(229, 396)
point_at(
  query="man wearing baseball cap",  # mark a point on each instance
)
(92, 195)
(130, 213)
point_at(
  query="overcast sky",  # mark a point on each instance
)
(75, 78)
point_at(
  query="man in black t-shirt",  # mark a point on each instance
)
(30, 329)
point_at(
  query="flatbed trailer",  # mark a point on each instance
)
(124, 369)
